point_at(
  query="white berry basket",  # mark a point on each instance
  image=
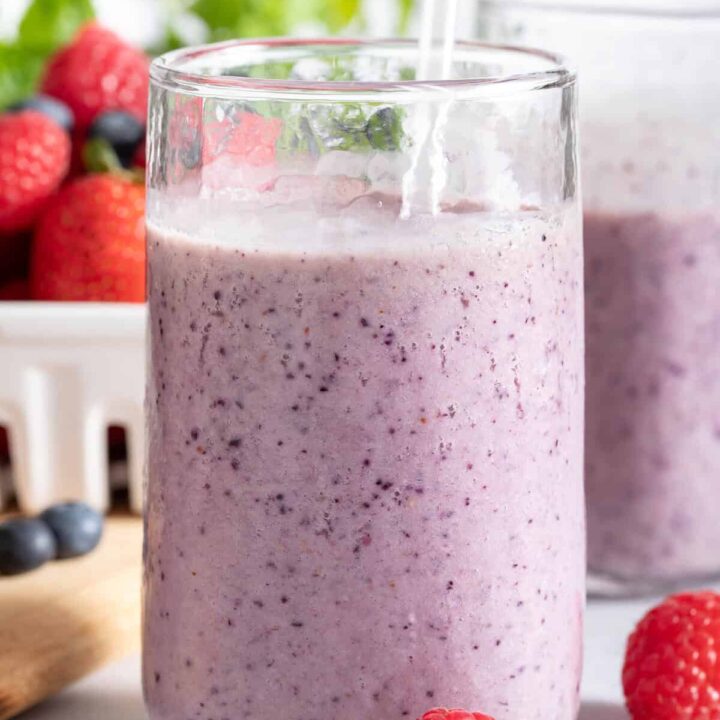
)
(68, 371)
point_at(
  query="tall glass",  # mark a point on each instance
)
(365, 385)
(651, 181)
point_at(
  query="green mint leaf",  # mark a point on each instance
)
(173, 40)
(49, 24)
(384, 129)
(217, 14)
(260, 18)
(20, 71)
(220, 17)
(335, 15)
(406, 8)
(251, 18)
(341, 13)
(276, 69)
(351, 127)
(46, 26)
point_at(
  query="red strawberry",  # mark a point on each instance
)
(14, 255)
(139, 156)
(247, 137)
(15, 290)
(671, 669)
(443, 714)
(98, 71)
(4, 446)
(34, 159)
(90, 242)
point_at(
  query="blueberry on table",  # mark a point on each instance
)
(122, 130)
(51, 107)
(25, 544)
(76, 526)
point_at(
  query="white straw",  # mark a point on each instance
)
(427, 20)
(449, 38)
(427, 158)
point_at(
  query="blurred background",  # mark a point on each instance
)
(161, 24)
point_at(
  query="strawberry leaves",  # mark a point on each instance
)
(46, 26)
(49, 24)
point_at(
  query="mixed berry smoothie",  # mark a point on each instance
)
(653, 395)
(365, 464)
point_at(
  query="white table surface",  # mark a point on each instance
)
(114, 692)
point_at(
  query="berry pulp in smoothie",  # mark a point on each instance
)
(365, 469)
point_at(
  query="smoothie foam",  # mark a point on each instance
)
(365, 465)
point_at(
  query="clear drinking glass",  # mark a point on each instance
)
(365, 384)
(651, 185)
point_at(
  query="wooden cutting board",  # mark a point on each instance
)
(70, 617)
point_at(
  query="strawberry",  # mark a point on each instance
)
(15, 290)
(98, 71)
(90, 242)
(4, 448)
(14, 255)
(247, 137)
(138, 160)
(671, 669)
(443, 714)
(34, 159)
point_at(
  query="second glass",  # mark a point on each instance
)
(365, 385)
(651, 170)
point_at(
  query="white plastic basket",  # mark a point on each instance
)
(67, 372)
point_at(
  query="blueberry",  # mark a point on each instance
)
(122, 130)
(77, 528)
(191, 150)
(55, 109)
(25, 544)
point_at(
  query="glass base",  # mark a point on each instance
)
(609, 587)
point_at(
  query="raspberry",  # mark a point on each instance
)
(672, 669)
(98, 71)
(34, 159)
(443, 714)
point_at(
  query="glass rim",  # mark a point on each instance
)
(658, 9)
(169, 71)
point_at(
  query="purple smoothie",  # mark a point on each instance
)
(365, 466)
(653, 395)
